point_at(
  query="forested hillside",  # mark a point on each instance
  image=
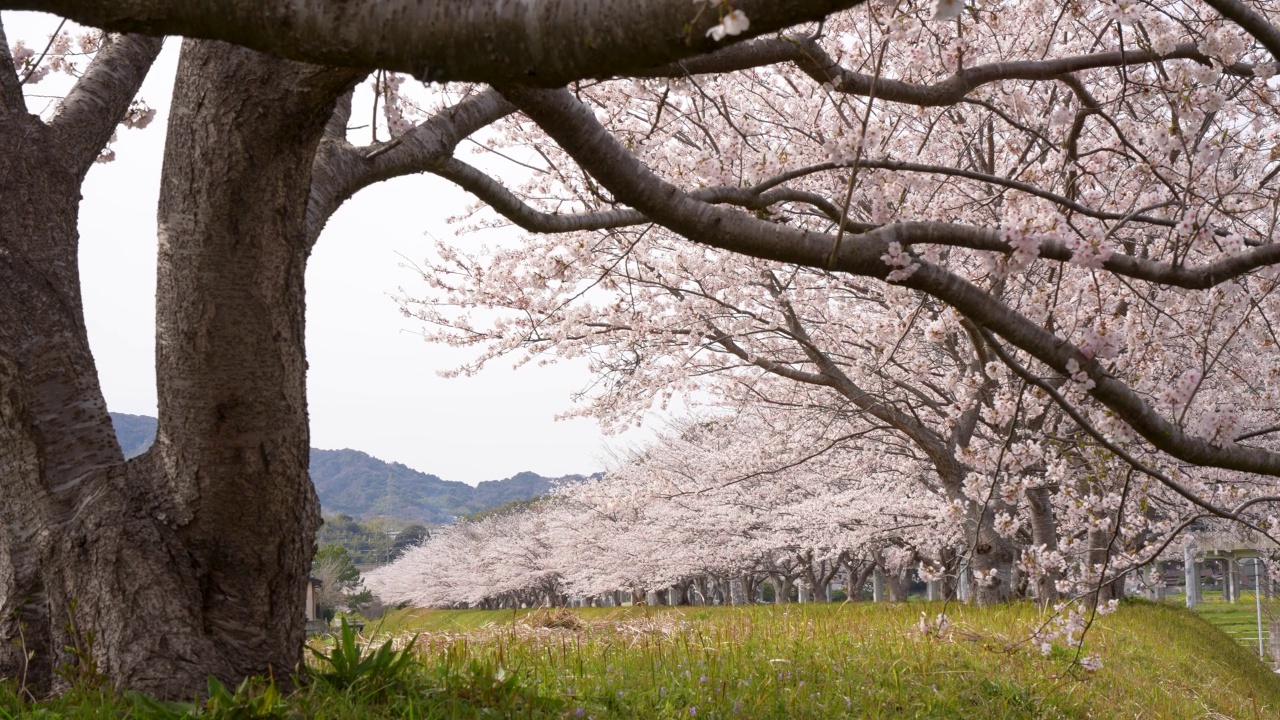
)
(363, 486)
(358, 484)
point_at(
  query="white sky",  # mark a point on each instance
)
(373, 382)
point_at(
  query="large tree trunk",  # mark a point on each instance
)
(73, 522)
(192, 559)
(59, 462)
(232, 445)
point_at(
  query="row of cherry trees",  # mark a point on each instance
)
(710, 509)
(1074, 323)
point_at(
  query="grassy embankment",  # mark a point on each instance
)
(811, 661)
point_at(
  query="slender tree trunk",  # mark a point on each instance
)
(1044, 533)
(951, 566)
(783, 584)
(858, 578)
(897, 586)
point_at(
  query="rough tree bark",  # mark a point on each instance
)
(1044, 532)
(231, 450)
(548, 43)
(190, 560)
(72, 518)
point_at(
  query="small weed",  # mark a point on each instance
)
(254, 699)
(348, 666)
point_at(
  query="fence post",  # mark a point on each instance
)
(1193, 576)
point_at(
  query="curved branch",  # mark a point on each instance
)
(1018, 185)
(1193, 277)
(1080, 420)
(514, 208)
(1108, 390)
(527, 217)
(336, 129)
(341, 169)
(815, 62)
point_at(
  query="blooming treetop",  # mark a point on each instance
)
(1073, 206)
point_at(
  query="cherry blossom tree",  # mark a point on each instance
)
(1085, 191)
(192, 559)
(1077, 194)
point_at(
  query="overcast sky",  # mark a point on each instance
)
(373, 382)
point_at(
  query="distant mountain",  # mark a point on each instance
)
(360, 485)
(135, 433)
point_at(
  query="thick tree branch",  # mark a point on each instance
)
(1253, 23)
(1191, 277)
(1109, 390)
(336, 129)
(547, 42)
(1084, 424)
(11, 101)
(1194, 277)
(90, 112)
(341, 169)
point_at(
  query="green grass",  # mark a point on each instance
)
(857, 660)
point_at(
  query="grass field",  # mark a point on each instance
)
(858, 660)
(863, 660)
